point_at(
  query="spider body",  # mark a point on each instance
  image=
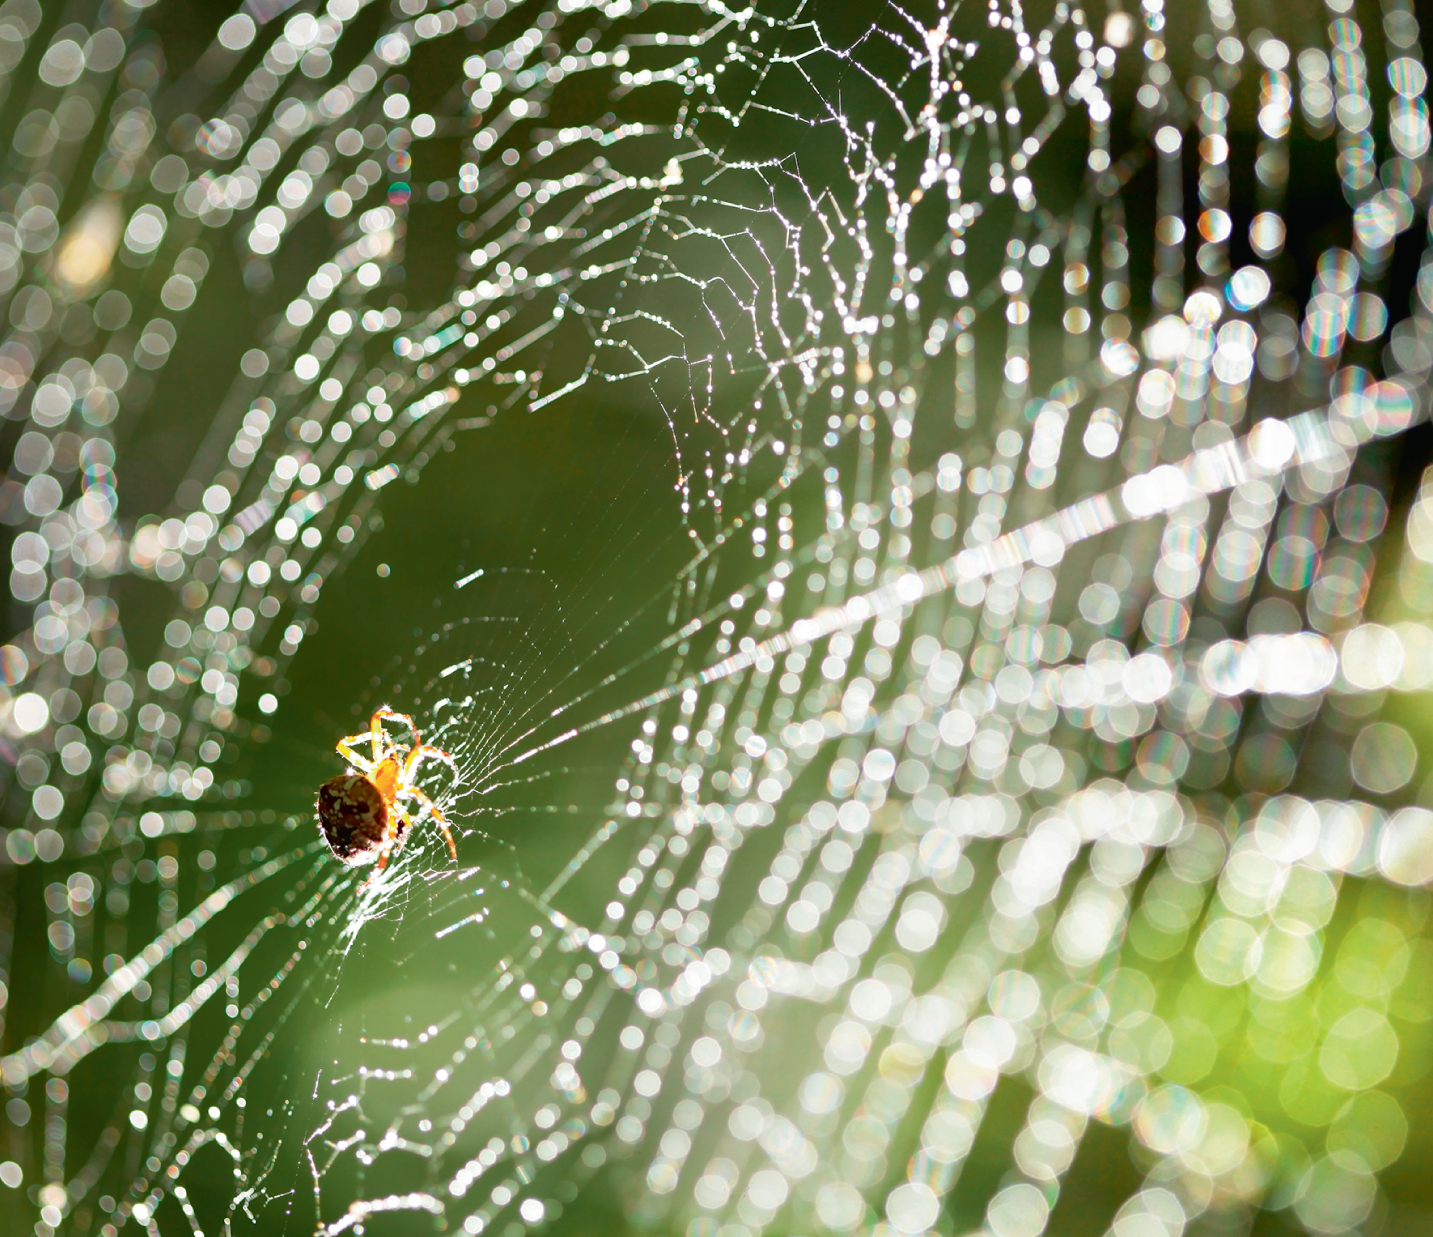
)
(353, 817)
(361, 812)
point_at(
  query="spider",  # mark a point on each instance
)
(359, 812)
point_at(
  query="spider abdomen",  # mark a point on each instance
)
(353, 818)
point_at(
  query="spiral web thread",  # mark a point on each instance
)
(957, 815)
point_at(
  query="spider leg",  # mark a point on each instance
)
(438, 816)
(384, 711)
(397, 830)
(418, 754)
(344, 747)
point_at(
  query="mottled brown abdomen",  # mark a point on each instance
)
(352, 817)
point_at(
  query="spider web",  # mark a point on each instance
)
(946, 761)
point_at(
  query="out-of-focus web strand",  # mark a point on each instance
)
(72, 1036)
(1269, 449)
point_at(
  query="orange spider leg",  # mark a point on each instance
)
(416, 755)
(344, 747)
(377, 723)
(395, 841)
(376, 736)
(437, 816)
